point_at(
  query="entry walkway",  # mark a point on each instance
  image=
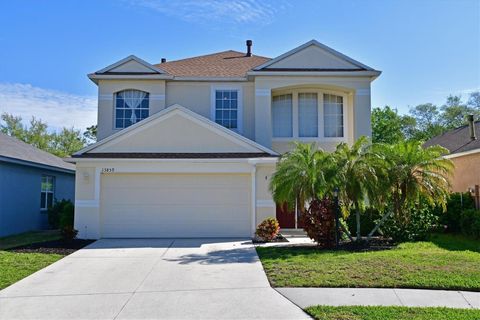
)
(305, 297)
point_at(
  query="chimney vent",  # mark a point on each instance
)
(471, 124)
(249, 48)
(163, 60)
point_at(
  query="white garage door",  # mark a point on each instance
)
(175, 205)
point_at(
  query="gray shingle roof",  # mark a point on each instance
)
(457, 140)
(18, 150)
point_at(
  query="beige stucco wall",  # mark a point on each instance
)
(84, 183)
(467, 172)
(197, 96)
(165, 136)
(87, 214)
(256, 101)
(265, 206)
(355, 89)
(106, 94)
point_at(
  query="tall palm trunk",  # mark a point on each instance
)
(357, 215)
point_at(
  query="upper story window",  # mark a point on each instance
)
(307, 114)
(131, 106)
(47, 192)
(333, 115)
(282, 111)
(227, 108)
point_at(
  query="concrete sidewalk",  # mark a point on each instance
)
(305, 297)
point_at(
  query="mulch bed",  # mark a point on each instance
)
(57, 247)
(375, 244)
(278, 238)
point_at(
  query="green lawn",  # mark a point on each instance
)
(15, 266)
(28, 238)
(444, 262)
(391, 313)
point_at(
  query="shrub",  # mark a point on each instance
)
(68, 233)
(60, 214)
(456, 203)
(268, 229)
(368, 221)
(470, 223)
(319, 222)
(423, 219)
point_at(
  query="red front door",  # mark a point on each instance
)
(285, 217)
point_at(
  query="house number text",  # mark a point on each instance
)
(108, 170)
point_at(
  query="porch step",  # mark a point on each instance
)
(292, 233)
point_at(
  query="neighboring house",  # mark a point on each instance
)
(187, 148)
(464, 148)
(30, 181)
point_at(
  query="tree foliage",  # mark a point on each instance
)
(413, 173)
(424, 121)
(62, 143)
(384, 177)
(301, 176)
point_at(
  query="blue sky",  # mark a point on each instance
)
(426, 49)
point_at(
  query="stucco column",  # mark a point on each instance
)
(87, 202)
(362, 113)
(263, 115)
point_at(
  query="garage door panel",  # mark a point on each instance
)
(156, 205)
(190, 196)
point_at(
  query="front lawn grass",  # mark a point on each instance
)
(444, 262)
(391, 313)
(27, 238)
(15, 265)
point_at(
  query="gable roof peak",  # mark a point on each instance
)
(152, 68)
(323, 47)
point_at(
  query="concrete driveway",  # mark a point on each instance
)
(151, 279)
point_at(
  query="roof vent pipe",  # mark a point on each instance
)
(471, 124)
(249, 48)
(163, 60)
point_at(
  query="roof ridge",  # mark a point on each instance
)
(208, 55)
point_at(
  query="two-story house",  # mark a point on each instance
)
(186, 148)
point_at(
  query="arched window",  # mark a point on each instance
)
(131, 106)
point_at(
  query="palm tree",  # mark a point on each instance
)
(358, 169)
(301, 176)
(415, 172)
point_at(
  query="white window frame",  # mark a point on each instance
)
(239, 90)
(114, 97)
(321, 130)
(44, 206)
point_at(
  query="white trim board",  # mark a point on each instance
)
(131, 58)
(460, 154)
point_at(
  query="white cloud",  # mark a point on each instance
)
(215, 11)
(58, 109)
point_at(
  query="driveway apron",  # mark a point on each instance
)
(151, 279)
